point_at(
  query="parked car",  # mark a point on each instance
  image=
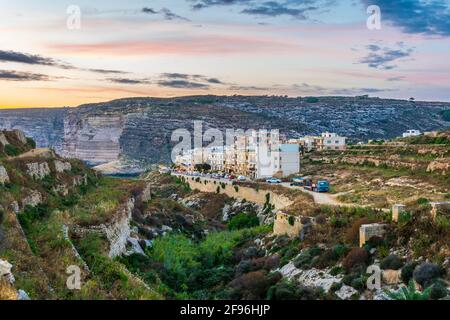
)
(241, 178)
(323, 186)
(273, 180)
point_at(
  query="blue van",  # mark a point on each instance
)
(323, 186)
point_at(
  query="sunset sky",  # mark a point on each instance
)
(184, 47)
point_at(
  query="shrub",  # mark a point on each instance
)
(12, 150)
(291, 220)
(422, 201)
(438, 290)
(31, 143)
(357, 256)
(326, 259)
(321, 219)
(407, 271)
(242, 221)
(218, 190)
(306, 256)
(236, 188)
(358, 284)
(409, 293)
(426, 273)
(391, 262)
(282, 291)
(339, 251)
(272, 262)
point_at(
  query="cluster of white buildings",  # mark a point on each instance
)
(256, 155)
(259, 155)
(326, 141)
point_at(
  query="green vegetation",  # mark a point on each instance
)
(409, 293)
(193, 269)
(242, 221)
(12, 150)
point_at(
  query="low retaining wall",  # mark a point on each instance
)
(256, 196)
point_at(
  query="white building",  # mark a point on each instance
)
(332, 141)
(411, 133)
(256, 155)
(282, 161)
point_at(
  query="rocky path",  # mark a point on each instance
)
(44, 152)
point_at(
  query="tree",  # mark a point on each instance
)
(202, 167)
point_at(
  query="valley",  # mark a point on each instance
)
(161, 236)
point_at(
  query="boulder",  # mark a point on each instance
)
(135, 247)
(22, 295)
(5, 271)
(346, 292)
(4, 178)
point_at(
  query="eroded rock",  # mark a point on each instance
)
(4, 178)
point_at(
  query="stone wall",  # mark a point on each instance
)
(283, 227)
(256, 196)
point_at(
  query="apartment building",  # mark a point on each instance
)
(255, 155)
(281, 161)
(332, 141)
(327, 141)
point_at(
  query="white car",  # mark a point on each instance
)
(241, 178)
(273, 180)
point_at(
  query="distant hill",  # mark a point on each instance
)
(141, 128)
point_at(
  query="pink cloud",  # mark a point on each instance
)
(197, 45)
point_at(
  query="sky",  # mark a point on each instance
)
(51, 56)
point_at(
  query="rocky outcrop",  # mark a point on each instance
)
(32, 198)
(61, 189)
(45, 126)
(20, 136)
(310, 278)
(4, 178)
(79, 180)
(61, 166)
(118, 230)
(38, 170)
(5, 271)
(3, 140)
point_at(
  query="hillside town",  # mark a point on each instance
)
(259, 154)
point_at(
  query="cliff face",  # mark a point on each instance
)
(45, 126)
(93, 139)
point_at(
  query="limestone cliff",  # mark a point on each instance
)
(93, 139)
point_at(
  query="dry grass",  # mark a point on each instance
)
(7, 292)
